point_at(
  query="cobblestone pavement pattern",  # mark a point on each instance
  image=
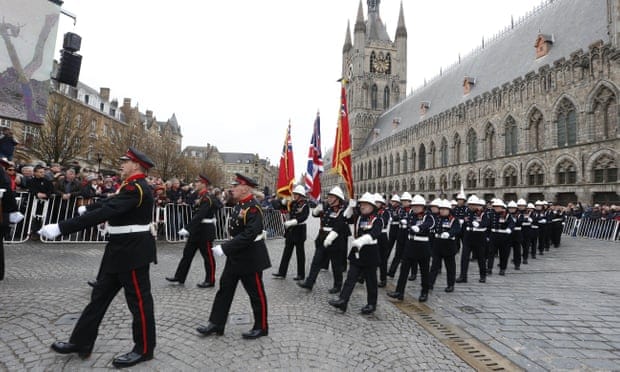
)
(559, 313)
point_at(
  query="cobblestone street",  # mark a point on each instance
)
(559, 313)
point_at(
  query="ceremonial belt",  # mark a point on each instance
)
(128, 229)
(517, 228)
(261, 236)
(374, 241)
(534, 227)
(438, 236)
(526, 224)
(394, 223)
(209, 220)
(500, 231)
(556, 220)
(385, 231)
(477, 229)
(419, 238)
(327, 229)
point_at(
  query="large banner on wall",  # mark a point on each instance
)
(27, 40)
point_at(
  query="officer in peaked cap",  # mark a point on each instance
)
(125, 263)
(201, 234)
(246, 258)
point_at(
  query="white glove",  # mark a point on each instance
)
(284, 202)
(362, 241)
(81, 209)
(542, 220)
(290, 223)
(475, 224)
(329, 239)
(415, 229)
(529, 219)
(50, 231)
(217, 251)
(349, 211)
(445, 235)
(508, 231)
(183, 233)
(16, 217)
(353, 203)
(317, 210)
(403, 222)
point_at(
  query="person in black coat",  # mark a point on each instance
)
(8, 213)
(295, 235)
(447, 231)
(201, 232)
(364, 256)
(125, 263)
(246, 258)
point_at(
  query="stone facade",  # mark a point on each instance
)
(543, 127)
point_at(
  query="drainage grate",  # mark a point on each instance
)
(473, 352)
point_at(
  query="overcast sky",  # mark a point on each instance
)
(236, 71)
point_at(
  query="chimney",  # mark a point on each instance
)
(126, 103)
(104, 93)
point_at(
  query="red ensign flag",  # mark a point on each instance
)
(341, 162)
(286, 175)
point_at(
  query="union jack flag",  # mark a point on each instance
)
(315, 162)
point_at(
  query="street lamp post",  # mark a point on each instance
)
(99, 158)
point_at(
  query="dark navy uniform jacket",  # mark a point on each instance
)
(368, 254)
(133, 205)
(298, 210)
(246, 252)
(200, 230)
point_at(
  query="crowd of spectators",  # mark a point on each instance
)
(595, 212)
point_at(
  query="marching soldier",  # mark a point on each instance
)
(446, 231)
(246, 258)
(332, 239)
(476, 224)
(516, 238)
(417, 249)
(394, 210)
(401, 238)
(384, 215)
(364, 256)
(557, 224)
(434, 212)
(125, 263)
(533, 217)
(543, 228)
(459, 211)
(295, 235)
(526, 229)
(201, 232)
(501, 228)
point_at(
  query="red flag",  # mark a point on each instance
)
(341, 162)
(315, 162)
(286, 175)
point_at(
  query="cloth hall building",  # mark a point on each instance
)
(532, 113)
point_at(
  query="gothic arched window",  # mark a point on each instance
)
(489, 139)
(566, 173)
(605, 109)
(605, 170)
(433, 151)
(489, 178)
(373, 96)
(510, 177)
(535, 122)
(567, 123)
(422, 158)
(386, 98)
(472, 143)
(457, 149)
(511, 136)
(443, 151)
(535, 175)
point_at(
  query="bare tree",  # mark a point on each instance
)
(60, 138)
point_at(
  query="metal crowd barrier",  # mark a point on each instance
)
(169, 219)
(592, 228)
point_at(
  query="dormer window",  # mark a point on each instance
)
(543, 44)
(424, 106)
(468, 84)
(376, 132)
(395, 123)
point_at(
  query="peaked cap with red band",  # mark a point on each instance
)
(202, 178)
(138, 157)
(243, 180)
